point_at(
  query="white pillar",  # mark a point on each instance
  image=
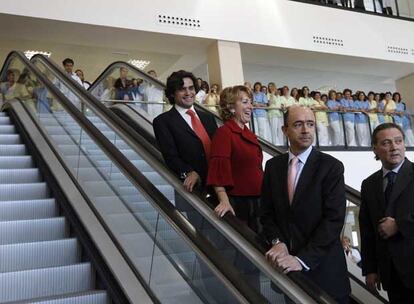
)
(225, 64)
(405, 86)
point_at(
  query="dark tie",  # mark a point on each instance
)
(200, 131)
(390, 184)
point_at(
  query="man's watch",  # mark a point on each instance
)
(184, 175)
(275, 241)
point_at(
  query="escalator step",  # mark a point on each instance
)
(12, 150)
(29, 284)
(15, 162)
(167, 190)
(29, 191)
(13, 232)
(17, 176)
(10, 139)
(124, 223)
(5, 120)
(7, 129)
(91, 297)
(25, 256)
(27, 209)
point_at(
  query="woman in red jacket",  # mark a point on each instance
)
(235, 166)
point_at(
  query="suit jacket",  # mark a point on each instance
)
(236, 161)
(378, 254)
(181, 148)
(310, 226)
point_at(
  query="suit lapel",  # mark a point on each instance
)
(306, 176)
(182, 124)
(404, 177)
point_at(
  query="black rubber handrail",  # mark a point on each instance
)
(352, 195)
(28, 65)
(208, 253)
(313, 290)
(144, 184)
(265, 145)
(248, 234)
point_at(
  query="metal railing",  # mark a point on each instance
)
(128, 114)
(401, 9)
(257, 257)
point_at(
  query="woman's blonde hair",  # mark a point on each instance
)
(228, 97)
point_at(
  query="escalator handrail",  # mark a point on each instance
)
(110, 67)
(206, 251)
(17, 105)
(351, 194)
(252, 239)
(258, 258)
(210, 255)
(233, 221)
(265, 145)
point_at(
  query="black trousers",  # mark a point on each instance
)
(247, 210)
(398, 293)
(387, 10)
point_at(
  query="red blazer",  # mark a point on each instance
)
(236, 161)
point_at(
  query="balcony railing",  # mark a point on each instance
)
(403, 9)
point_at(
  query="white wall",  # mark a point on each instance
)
(280, 23)
(359, 165)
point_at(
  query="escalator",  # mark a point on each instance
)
(136, 115)
(137, 118)
(225, 247)
(143, 250)
(36, 248)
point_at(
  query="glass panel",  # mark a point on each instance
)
(335, 129)
(324, 138)
(17, 82)
(149, 241)
(124, 85)
(115, 186)
(351, 241)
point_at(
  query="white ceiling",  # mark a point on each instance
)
(94, 47)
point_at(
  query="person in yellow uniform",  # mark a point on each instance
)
(320, 108)
(275, 115)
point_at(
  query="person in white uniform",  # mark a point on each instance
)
(153, 93)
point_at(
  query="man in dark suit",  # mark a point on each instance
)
(386, 218)
(183, 133)
(303, 208)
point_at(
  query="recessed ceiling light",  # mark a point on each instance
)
(139, 63)
(29, 54)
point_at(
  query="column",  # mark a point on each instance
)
(225, 64)
(405, 86)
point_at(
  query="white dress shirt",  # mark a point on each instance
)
(302, 157)
(385, 172)
(184, 115)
